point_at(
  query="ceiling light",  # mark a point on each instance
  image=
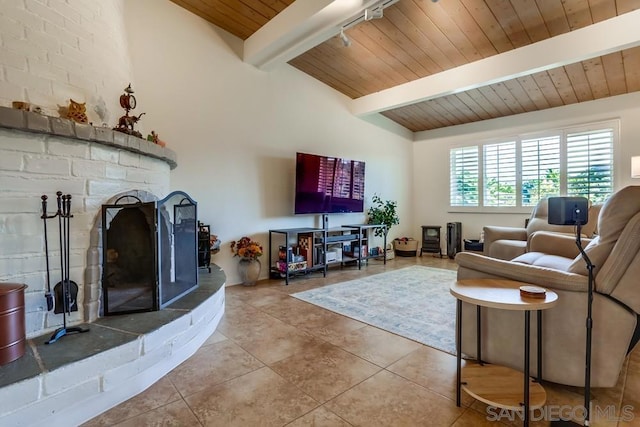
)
(374, 12)
(370, 14)
(345, 40)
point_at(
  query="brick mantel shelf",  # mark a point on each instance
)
(38, 123)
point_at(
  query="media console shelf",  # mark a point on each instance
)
(362, 232)
(311, 241)
(305, 250)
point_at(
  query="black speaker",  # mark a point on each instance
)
(325, 221)
(454, 239)
(568, 210)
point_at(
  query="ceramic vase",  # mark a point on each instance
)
(249, 269)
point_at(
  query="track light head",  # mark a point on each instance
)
(372, 13)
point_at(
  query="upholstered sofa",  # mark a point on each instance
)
(554, 263)
(510, 242)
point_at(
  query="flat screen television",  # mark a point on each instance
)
(328, 185)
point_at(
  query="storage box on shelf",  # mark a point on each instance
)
(291, 267)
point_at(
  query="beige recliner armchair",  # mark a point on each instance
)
(554, 263)
(510, 242)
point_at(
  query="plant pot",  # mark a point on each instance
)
(249, 269)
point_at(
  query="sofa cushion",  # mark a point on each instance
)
(617, 212)
(470, 265)
(507, 249)
(597, 254)
(544, 260)
(539, 220)
(614, 216)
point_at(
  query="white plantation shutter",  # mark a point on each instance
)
(500, 174)
(590, 164)
(540, 169)
(463, 190)
(519, 173)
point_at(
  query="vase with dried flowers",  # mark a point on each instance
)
(249, 266)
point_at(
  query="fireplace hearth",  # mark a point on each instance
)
(149, 252)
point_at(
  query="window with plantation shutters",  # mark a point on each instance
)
(540, 170)
(464, 176)
(501, 176)
(590, 164)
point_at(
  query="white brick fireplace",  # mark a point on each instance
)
(41, 155)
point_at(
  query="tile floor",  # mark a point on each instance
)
(276, 361)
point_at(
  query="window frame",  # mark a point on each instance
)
(562, 132)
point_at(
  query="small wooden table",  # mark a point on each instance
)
(492, 384)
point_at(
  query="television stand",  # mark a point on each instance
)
(314, 249)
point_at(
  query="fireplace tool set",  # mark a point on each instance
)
(64, 298)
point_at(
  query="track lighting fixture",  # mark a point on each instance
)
(373, 13)
(345, 40)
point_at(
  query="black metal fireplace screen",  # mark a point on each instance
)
(149, 253)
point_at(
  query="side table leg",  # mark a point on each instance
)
(539, 370)
(479, 335)
(527, 344)
(458, 350)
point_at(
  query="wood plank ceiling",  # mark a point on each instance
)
(419, 38)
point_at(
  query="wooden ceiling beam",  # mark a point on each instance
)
(298, 28)
(612, 35)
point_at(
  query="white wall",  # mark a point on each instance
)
(52, 51)
(236, 129)
(431, 156)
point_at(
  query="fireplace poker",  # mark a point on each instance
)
(59, 200)
(72, 287)
(66, 208)
(47, 295)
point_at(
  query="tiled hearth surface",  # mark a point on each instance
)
(276, 361)
(105, 333)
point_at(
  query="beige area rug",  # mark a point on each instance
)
(412, 302)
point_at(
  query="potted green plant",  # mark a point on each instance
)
(383, 212)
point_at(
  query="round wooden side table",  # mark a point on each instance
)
(493, 384)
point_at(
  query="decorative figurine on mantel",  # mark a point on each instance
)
(77, 111)
(126, 122)
(153, 137)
